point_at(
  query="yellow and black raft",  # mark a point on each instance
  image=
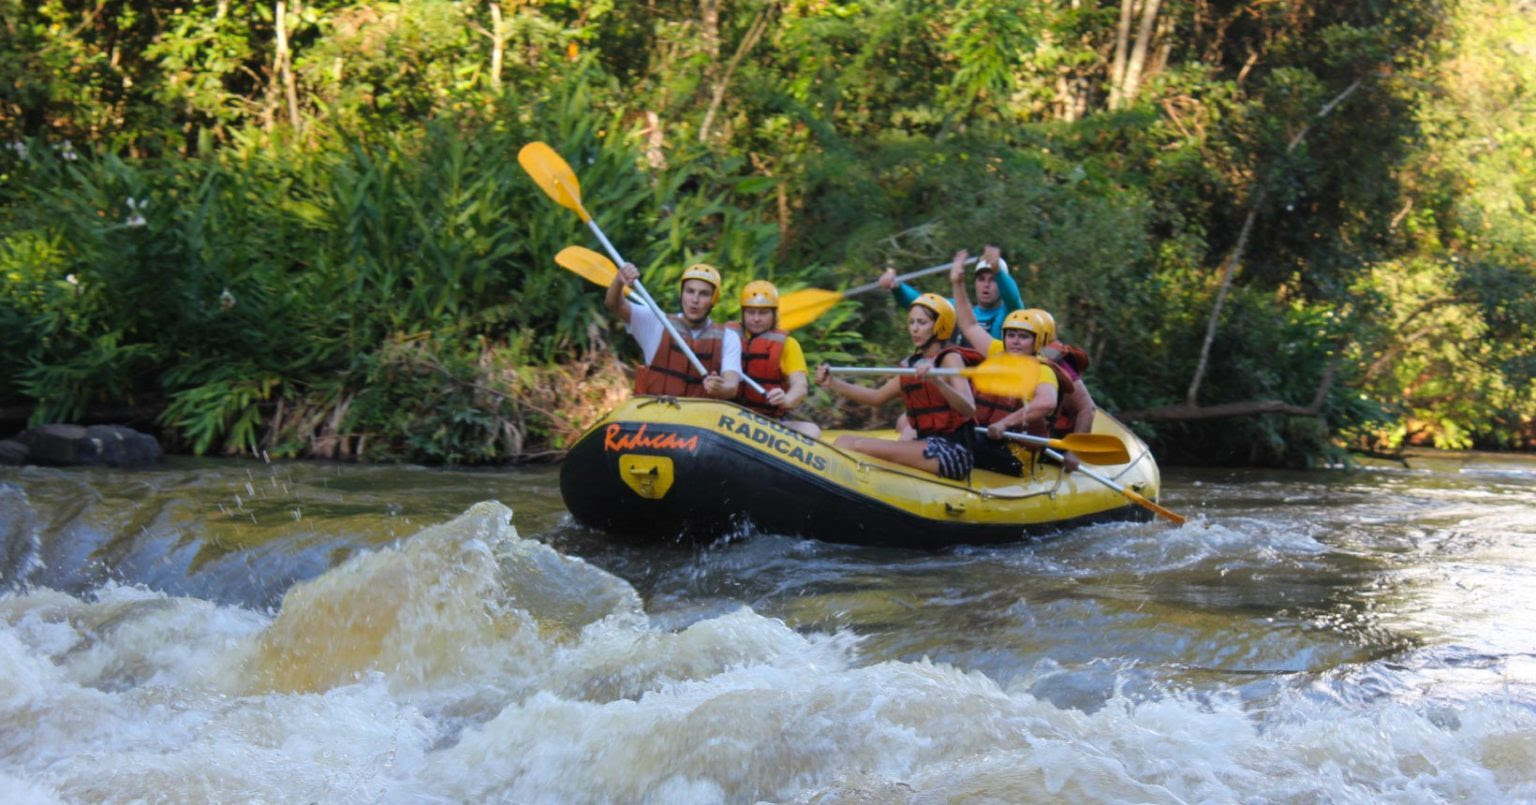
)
(665, 467)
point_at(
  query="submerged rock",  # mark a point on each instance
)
(97, 445)
(13, 453)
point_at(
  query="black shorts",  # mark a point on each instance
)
(953, 451)
(996, 455)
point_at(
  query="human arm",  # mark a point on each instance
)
(879, 395)
(613, 298)
(1081, 404)
(905, 294)
(1007, 287)
(965, 315)
(725, 385)
(792, 366)
(796, 387)
(955, 389)
(1039, 407)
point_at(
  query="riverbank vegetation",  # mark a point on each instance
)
(1280, 230)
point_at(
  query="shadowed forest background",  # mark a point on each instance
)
(1281, 230)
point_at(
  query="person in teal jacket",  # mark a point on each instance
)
(997, 294)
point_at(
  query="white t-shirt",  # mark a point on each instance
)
(647, 330)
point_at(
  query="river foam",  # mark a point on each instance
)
(469, 664)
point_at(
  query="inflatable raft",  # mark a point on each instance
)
(669, 468)
(665, 467)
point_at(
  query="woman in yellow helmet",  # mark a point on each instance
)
(667, 370)
(770, 356)
(939, 409)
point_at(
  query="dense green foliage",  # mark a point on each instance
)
(300, 227)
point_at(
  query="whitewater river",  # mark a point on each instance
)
(238, 631)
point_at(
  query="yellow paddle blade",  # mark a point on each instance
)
(799, 308)
(1005, 375)
(588, 264)
(553, 176)
(1142, 501)
(1094, 448)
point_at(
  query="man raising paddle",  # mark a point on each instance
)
(667, 370)
(997, 294)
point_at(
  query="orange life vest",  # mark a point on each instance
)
(670, 374)
(927, 410)
(761, 358)
(992, 407)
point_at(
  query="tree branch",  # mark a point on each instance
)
(1188, 411)
(754, 33)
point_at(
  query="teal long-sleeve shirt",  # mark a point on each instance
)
(990, 319)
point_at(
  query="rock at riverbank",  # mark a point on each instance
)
(72, 445)
(12, 453)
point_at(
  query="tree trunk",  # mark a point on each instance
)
(284, 61)
(1122, 43)
(1138, 61)
(709, 31)
(1242, 242)
(1185, 412)
(498, 43)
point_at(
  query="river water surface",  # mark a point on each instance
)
(299, 632)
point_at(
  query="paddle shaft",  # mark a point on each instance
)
(892, 370)
(1024, 438)
(911, 275)
(1134, 497)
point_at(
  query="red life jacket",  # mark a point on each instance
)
(927, 410)
(1067, 355)
(992, 407)
(670, 374)
(761, 358)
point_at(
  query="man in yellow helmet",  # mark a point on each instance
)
(667, 370)
(772, 357)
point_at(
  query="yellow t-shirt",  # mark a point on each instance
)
(1047, 376)
(791, 359)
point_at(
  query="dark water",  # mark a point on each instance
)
(1345, 635)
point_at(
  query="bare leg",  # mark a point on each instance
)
(906, 453)
(904, 430)
(810, 429)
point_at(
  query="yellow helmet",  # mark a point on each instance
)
(705, 272)
(759, 293)
(1036, 321)
(943, 314)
